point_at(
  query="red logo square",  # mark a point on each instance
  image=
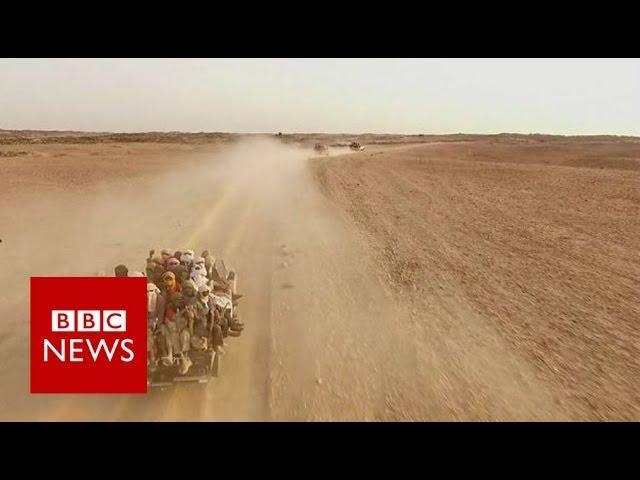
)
(88, 335)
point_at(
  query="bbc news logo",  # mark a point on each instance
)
(88, 321)
(88, 335)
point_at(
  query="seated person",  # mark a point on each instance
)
(181, 273)
(121, 271)
(172, 263)
(165, 255)
(176, 334)
(198, 326)
(189, 292)
(155, 312)
(209, 322)
(199, 274)
(169, 284)
(186, 258)
(155, 270)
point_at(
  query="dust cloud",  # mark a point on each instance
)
(81, 231)
(229, 201)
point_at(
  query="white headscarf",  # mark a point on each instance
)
(198, 279)
(186, 257)
(198, 275)
(152, 297)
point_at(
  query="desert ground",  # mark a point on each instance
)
(454, 277)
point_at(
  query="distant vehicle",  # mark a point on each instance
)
(321, 149)
(356, 147)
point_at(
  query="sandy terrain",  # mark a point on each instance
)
(521, 264)
(449, 278)
(79, 209)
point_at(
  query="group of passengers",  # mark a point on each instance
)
(191, 305)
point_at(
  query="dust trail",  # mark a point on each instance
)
(323, 330)
(203, 203)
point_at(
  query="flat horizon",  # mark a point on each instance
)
(211, 132)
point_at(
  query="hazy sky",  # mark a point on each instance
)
(564, 96)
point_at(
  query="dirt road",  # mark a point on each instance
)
(340, 324)
(312, 301)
